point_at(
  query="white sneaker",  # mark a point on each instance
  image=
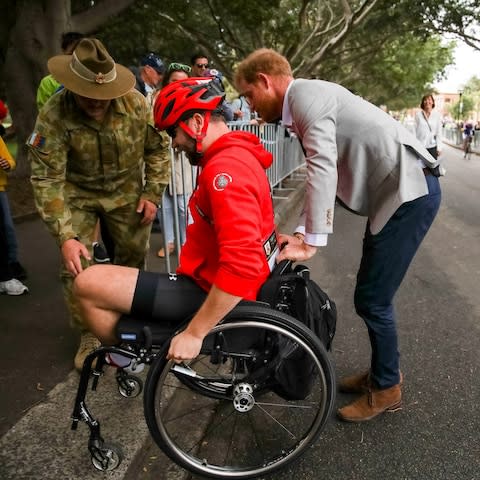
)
(13, 287)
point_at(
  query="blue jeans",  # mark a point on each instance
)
(9, 228)
(386, 257)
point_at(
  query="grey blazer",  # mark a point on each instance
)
(356, 151)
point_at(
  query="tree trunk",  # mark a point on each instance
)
(25, 65)
(33, 39)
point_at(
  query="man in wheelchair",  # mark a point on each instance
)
(231, 241)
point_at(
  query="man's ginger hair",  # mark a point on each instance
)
(265, 61)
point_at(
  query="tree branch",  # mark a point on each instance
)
(349, 20)
(92, 18)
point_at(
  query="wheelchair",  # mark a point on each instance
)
(219, 415)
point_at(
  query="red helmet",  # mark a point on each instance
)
(178, 100)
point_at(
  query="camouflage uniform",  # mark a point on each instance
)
(82, 170)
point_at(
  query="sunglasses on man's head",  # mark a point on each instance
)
(202, 65)
(179, 67)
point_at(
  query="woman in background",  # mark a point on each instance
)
(182, 178)
(428, 126)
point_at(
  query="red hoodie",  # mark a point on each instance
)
(232, 237)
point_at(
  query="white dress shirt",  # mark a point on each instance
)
(429, 129)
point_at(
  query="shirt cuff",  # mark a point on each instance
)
(313, 239)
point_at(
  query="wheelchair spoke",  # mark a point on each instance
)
(276, 421)
(286, 405)
(223, 416)
(186, 414)
(209, 431)
(258, 442)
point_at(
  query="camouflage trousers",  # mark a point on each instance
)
(130, 241)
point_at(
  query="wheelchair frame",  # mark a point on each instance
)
(227, 389)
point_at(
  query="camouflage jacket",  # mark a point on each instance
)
(118, 161)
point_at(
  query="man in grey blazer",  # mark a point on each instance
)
(376, 168)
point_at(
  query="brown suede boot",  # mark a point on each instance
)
(371, 404)
(359, 383)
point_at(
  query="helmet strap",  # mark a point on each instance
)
(198, 137)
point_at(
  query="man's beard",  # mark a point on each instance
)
(191, 153)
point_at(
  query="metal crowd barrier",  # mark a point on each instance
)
(454, 135)
(287, 158)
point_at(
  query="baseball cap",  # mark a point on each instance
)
(212, 72)
(155, 62)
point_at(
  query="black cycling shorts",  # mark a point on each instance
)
(166, 297)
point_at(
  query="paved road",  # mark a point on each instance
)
(435, 436)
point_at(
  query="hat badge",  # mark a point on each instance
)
(100, 78)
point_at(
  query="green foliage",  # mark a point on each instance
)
(387, 54)
(387, 51)
(471, 92)
(402, 70)
(472, 87)
(462, 110)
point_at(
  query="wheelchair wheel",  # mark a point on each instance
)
(129, 386)
(219, 416)
(106, 456)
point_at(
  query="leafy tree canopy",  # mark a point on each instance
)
(389, 52)
(470, 101)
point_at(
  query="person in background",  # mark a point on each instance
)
(11, 271)
(468, 133)
(149, 75)
(8, 163)
(428, 126)
(182, 173)
(3, 115)
(242, 112)
(200, 68)
(176, 71)
(376, 168)
(217, 77)
(199, 64)
(95, 154)
(49, 85)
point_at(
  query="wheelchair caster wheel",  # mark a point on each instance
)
(130, 386)
(107, 457)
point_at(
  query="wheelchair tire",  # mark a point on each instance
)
(217, 416)
(106, 456)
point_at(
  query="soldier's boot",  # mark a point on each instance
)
(88, 344)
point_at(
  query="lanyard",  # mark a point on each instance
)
(426, 119)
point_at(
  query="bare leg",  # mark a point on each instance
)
(105, 292)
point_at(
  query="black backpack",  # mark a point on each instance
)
(295, 293)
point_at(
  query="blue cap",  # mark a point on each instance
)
(212, 72)
(155, 62)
